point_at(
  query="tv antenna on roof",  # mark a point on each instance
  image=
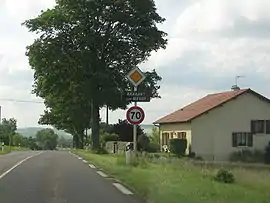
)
(237, 77)
(235, 86)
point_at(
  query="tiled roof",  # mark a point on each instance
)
(201, 106)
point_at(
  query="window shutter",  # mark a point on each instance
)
(250, 139)
(234, 140)
(267, 126)
(252, 127)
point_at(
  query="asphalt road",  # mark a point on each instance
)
(55, 177)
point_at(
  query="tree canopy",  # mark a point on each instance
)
(8, 128)
(82, 55)
(46, 139)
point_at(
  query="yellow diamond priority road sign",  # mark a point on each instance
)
(136, 76)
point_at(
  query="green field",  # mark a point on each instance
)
(181, 181)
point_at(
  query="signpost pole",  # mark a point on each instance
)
(135, 131)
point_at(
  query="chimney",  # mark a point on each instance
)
(235, 88)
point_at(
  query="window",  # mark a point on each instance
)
(181, 135)
(242, 139)
(165, 138)
(257, 126)
(172, 133)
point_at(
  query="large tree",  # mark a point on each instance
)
(8, 128)
(84, 51)
(46, 139)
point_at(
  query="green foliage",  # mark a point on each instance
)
(46, 139)
(143, 142)
(19, 140)
(106, 137)
(248, 156)
(224, 176)
(125, 130)
(155, 138)
(8, 128)
(198, 158)
(267, 154)
(32, 144)
(101, 150)
(153, 147)
(64, 142)
(84, 50)
(178, 146)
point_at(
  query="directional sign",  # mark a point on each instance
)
(137, 96)
(135, 115)
(136, 76)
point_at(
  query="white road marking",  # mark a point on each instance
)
(18, 164)
(91, 166)
(102, 174)
(79, 158)
(122, 189)
(84, 161)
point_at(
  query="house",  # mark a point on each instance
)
(221, 123)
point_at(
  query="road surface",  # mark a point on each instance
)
(55, 177)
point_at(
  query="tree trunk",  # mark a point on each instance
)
(76, 141)
(95, 125)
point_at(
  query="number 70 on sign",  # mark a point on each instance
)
(135, 115)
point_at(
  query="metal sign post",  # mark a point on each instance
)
(135, 130)
(136, 77)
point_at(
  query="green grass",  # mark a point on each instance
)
(8, 149)
(181, 181)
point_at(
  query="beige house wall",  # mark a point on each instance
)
(212, 132)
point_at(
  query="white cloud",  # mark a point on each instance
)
(218, 15)
(25, 9)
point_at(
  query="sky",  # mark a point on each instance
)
(210, 42)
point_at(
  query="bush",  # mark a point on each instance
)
(224, 176)
(267, 154)
(143, 142)
(153, 147)
(101, 150)
(247, 156)
(106, 137)
(192, 155)
(178, 146)
(198, 158)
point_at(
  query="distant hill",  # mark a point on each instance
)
(31, 131)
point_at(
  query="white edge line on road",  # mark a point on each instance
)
(79, 158)
(102, 174)
(18, 164)
(122, 189)
(84, 161)
(91, 166)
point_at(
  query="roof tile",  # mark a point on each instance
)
(200, 106)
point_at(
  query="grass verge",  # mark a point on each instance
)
(181, 181)
(10, 149)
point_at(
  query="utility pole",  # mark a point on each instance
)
(0, 114)
(107, 115)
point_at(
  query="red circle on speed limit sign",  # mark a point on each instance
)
(135, 115)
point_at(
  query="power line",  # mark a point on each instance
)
(22, 101)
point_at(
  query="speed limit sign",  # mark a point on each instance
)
(135, 115)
